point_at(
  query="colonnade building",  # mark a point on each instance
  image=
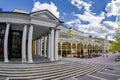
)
(40, 33)
(19, 32)
(75, 43)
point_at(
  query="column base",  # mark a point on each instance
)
(52, 60)
(23, 60)
(56, 59)
(6, 61)
(30, 61)
(41, 55)
(45, 56)
(60, 57)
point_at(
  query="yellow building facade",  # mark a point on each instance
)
(73, 43)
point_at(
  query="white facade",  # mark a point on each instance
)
(33, 26)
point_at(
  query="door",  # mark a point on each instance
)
(1, 47)
(15, 42)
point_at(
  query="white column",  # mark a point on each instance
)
(35, 46)
(6, 43)
(38, 46)
(41, 47)
(56, 45)
(45, 38)
(24, 43)
(30, 44)
(49, 42)
(52, 45)
(47, 47)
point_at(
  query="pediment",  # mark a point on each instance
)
(45, 14)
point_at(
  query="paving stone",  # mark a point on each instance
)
(106, 76)
(3, 78)
(112, 72)
(86, 77)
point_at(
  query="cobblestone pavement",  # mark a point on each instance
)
(112, 68)
(106, 60)
(112, 71)
(103, 75)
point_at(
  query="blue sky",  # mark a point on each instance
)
(93, 17)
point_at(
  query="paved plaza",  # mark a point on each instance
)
(99, 68)
(105, 60)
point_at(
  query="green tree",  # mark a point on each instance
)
(115, 46)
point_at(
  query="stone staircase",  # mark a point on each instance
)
(47, 71)
(40, 59)
(36, 59)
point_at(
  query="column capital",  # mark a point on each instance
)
(8, 24)
(51, 28)
(31, 24)
(25, 24)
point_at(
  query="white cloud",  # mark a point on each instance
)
(110, 25)
(74, 22)
(113, 8)
(96, 27)
(94, 30)
(80, 3)
(110, 38)
(87, 16)
(51, 7)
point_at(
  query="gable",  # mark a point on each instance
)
(45, 14)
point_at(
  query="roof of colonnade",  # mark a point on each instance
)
(42, 21)
(42, 18)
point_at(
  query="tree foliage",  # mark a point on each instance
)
(115, 46)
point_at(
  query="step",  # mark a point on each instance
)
(80, 73)
(71, 78)
(21, 66)
(43, 73)
(58, 71)
(40, 70)
(91, 72)
(52, 76)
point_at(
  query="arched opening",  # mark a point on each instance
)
(85, 50)
(59, 49)
(96, 49)
(89, 49)
(99, 49)
(93, 49)
(66, 49)
(79, 49)
(42, 47)
(74, 50)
